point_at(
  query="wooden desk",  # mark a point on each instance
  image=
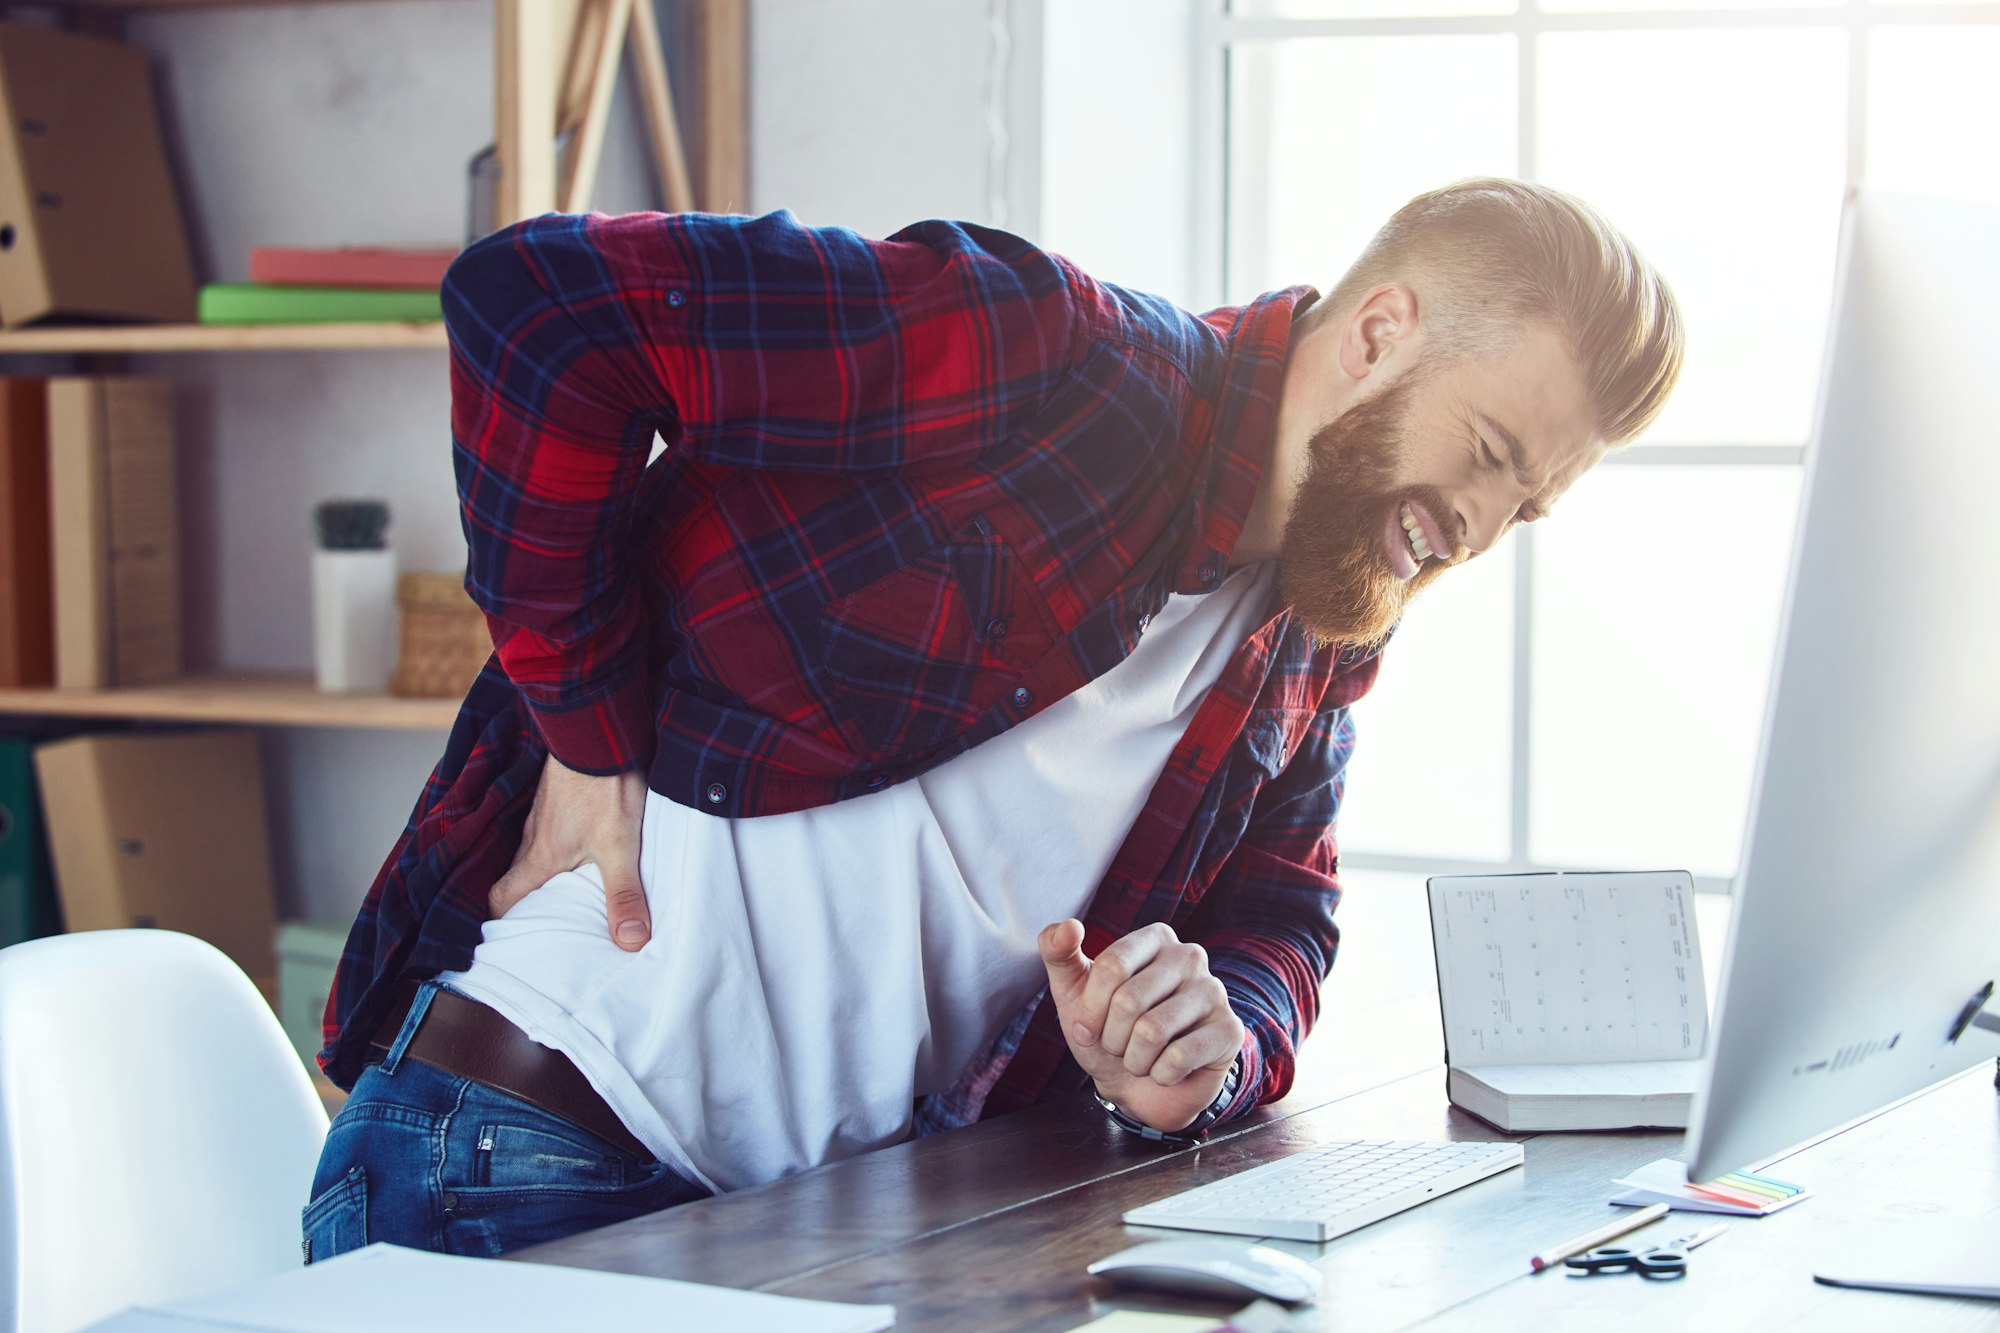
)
(990, 1227)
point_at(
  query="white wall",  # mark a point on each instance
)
(327, 124)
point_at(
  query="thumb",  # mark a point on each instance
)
(625, 904)
(1062, 953)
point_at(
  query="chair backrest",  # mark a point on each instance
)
(158, 1134)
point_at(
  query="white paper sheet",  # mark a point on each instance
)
(388, 1289)
(1621, 1078)
(1568, 968)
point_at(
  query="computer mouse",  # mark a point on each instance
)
(1238, 1269)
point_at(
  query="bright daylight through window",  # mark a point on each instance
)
(1590, 694)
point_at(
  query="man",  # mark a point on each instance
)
(953, 716)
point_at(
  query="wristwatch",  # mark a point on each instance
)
(1190, 1133)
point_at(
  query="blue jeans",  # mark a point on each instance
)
(423, 1158)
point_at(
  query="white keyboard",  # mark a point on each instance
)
(1328, 1192)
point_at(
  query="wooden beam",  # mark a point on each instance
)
(725, 106)
(528, 36)
(656, 96)
(579, 64)
(599, 53)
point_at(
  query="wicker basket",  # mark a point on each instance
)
(445, 641)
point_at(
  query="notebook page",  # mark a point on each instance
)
(388, 1289)
(1563, 968)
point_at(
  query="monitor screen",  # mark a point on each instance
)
(1867, 909)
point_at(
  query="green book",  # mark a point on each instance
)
(258, 303)
(27, 889)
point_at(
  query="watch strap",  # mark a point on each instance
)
(1190, 1133)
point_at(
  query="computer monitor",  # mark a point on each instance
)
(1867, 913)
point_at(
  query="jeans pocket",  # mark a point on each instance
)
(337, 1221)
(492, 1220)
(531, 1157)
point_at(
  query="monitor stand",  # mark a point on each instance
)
(1932, 1257)
(1974, 1015)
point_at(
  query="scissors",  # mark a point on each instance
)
(1661, 1263)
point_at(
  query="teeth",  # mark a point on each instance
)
(1418, 546)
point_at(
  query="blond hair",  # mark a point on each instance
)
(1489, 256)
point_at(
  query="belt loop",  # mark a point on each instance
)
(411, 1022)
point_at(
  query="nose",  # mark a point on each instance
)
(1482, 519)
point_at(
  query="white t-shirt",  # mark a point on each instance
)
(811, 973)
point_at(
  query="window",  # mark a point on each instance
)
(1598, 684)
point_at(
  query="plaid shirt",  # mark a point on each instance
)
(914, 491)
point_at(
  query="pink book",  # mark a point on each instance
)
(412, 269)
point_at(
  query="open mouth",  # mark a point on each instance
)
(1413, 538)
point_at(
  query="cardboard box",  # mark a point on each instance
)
(115, 521)
(308, 955)
(90, 223)
(164, 830)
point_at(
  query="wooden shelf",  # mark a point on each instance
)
(184, 4)
(222, 337)
(262, 698)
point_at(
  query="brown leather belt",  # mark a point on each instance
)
(465, 1038)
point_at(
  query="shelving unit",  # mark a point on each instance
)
(528, 54)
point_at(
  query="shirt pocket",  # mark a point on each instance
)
(915, 657)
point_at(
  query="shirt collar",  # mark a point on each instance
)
(1243, 416)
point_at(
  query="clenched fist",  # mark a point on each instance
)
(1145, 1019)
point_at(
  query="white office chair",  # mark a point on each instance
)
(157, 1131)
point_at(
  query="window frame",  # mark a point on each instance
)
(1217, 30)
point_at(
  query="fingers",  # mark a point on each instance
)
(1172, 1026)
(1166, 974)
(1124, 960)
(1213, 1045)
(522, 879)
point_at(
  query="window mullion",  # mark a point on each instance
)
(1857, 90)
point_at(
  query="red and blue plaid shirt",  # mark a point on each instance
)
(913, 491)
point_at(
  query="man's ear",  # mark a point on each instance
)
(1384, 323)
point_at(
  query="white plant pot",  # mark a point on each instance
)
(354, 619)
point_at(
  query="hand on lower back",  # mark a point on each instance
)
(575, 819)
(1146, 1019)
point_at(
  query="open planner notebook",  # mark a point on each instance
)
(1570, 1001)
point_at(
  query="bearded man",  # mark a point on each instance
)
(952, 716)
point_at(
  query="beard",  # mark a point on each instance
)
(1332, 567)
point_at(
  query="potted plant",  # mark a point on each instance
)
(354, 596)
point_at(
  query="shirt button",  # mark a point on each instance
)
(877, 781)
(450, 1202)
(677, 297)
(995, 628)
(716, 793)
(1022, 698)
(1207, 572)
